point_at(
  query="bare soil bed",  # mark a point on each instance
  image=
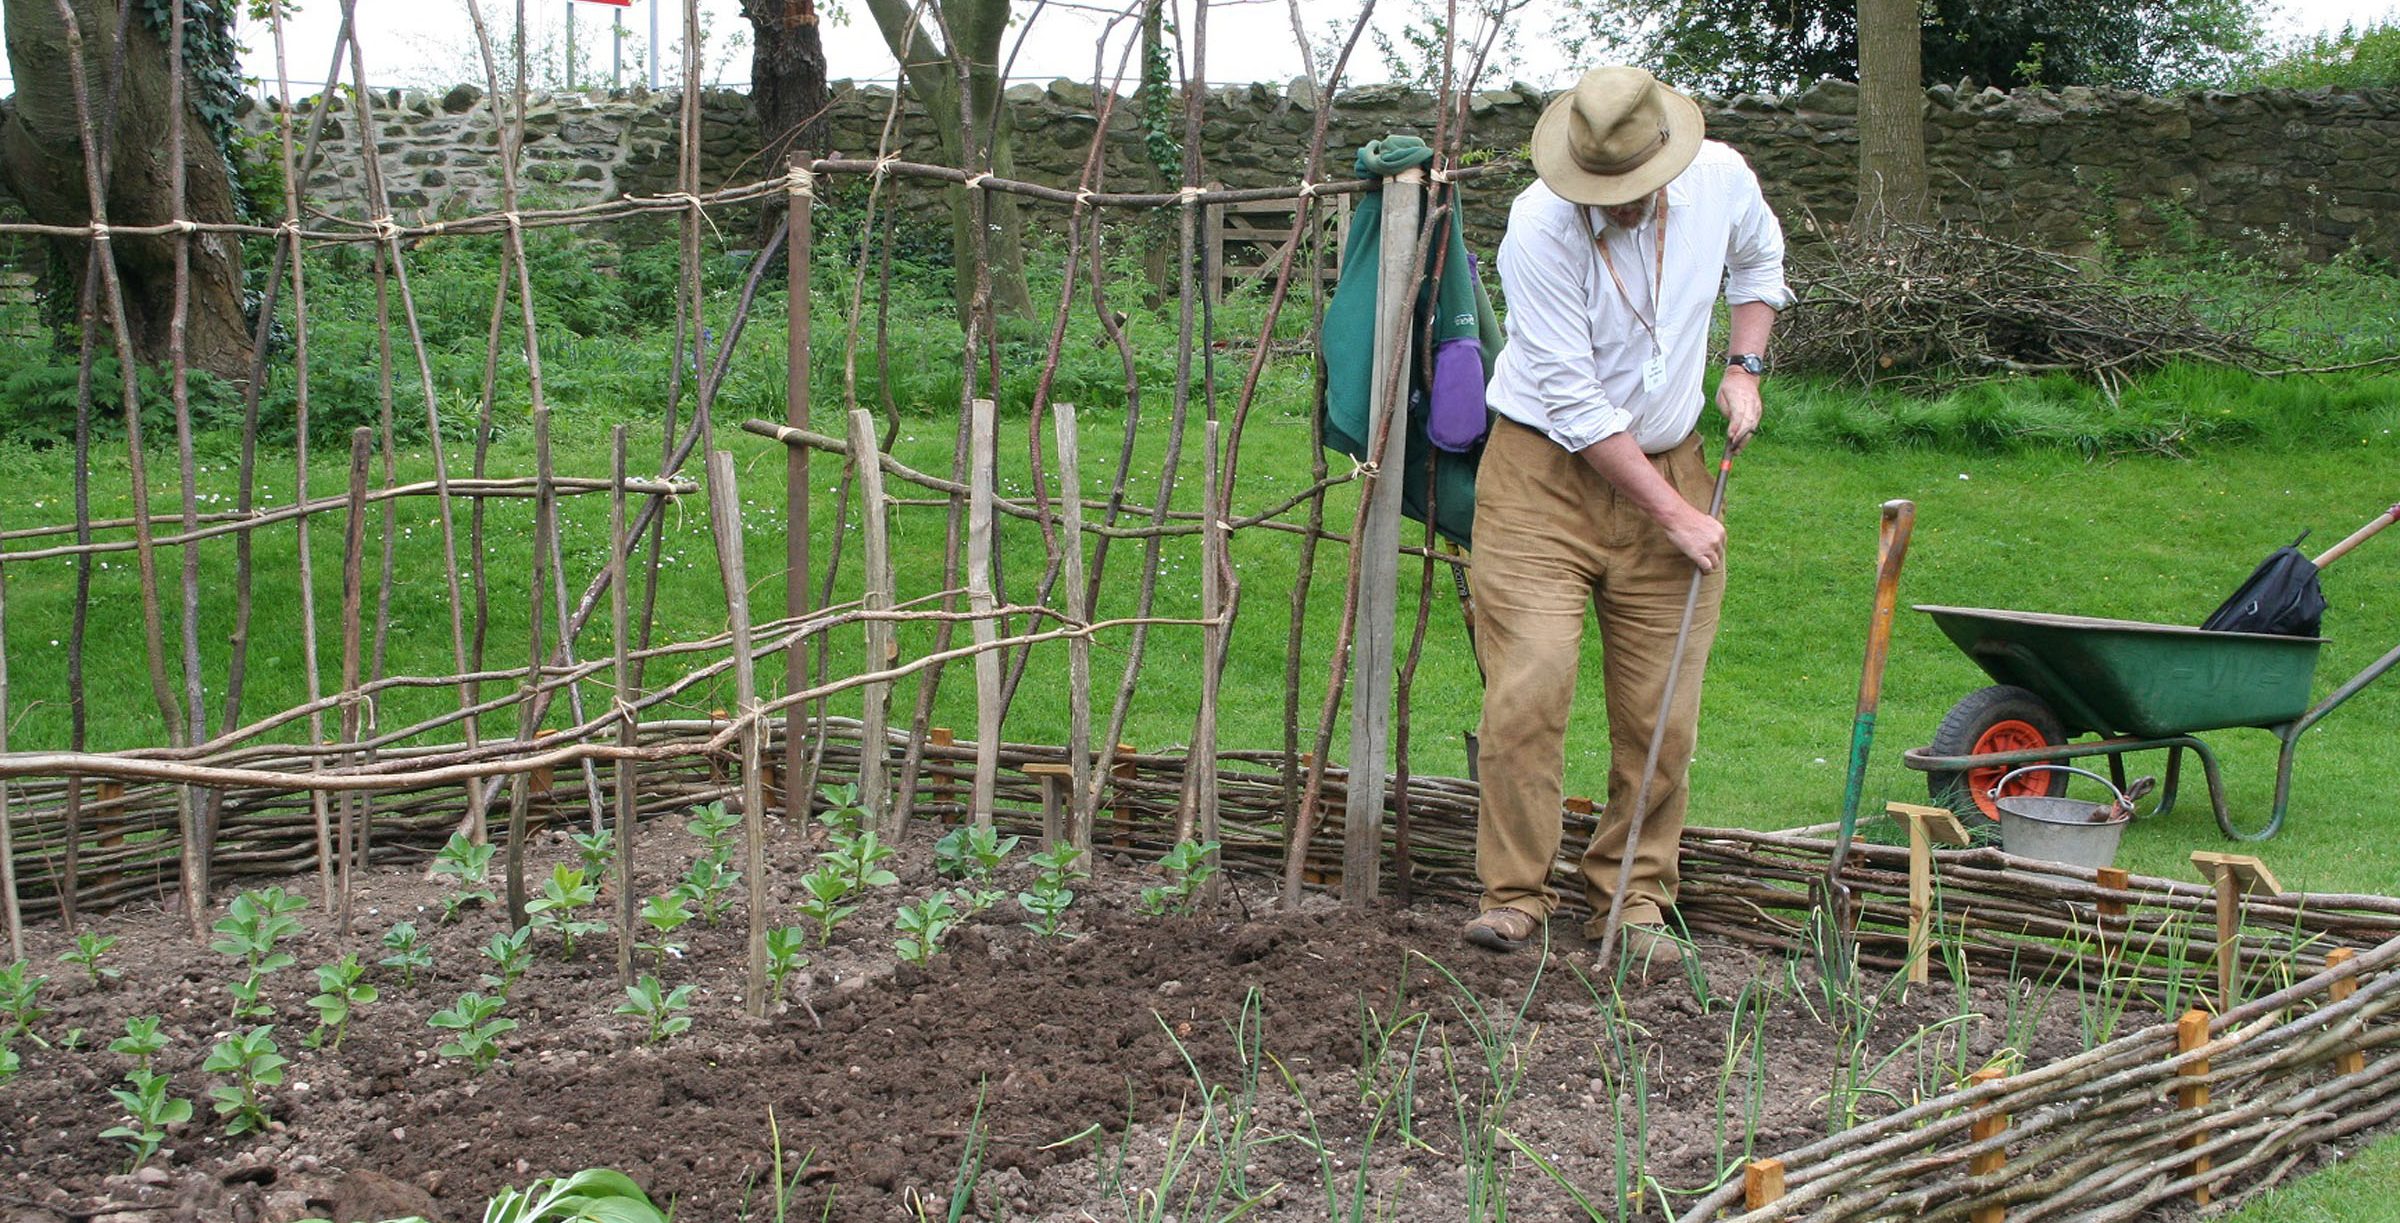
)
(1297, 1062)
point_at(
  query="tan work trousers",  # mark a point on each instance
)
(1551, 537)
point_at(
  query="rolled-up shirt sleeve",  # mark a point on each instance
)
(1754, 251)
(1554, 383)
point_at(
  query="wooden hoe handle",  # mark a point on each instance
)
(2359, 536)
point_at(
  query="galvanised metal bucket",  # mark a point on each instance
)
(2062, 830)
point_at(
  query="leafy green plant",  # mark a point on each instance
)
(149, 1110)
(20, 1002)
(563, 894)
(708, 883)
(340, 993)
(860, 857)
(1048, 899)
(714, 826)
(142, 1040)
(922, 926)
(254, 923)
(1188, 866)
(89, 947)
(971, 854)
(408, 953)
(474, 1024)
(252, 1063)
(784, 945)
(10, 1063)
(598, 851)
(662, 1010)
(666, 913)
(468, 866)
(842, 817)
(594, 1195)
(826, 888)
(511, 953)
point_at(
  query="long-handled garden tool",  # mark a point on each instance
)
(2281, 595)
(1658, 731)
(1832, 905)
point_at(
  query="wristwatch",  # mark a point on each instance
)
(1750, 363)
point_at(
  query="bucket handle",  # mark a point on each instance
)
(2123, 802)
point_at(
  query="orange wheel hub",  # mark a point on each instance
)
(2009, 736)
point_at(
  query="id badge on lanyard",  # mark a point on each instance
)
(1654, 370)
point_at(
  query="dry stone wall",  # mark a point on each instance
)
(2312, 171)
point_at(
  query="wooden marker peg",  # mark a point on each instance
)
(544, 778)
(945, 789)
(1762, 1183)
(1124, 771)
(1982, 1129)
(1055, 779)
(2111, 879)
(1925, 826)
(2191, 1032)
(2354, 1061)
(2234, 876)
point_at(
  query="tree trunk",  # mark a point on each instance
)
(1891, 120)
(41, 163)
(934, 65)
(787, 86)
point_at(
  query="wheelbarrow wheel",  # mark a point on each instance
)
(2001, 718)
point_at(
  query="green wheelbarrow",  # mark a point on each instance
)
(2138, 686)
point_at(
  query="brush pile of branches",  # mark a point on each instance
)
(1931, 307)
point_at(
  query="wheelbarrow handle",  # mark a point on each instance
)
(2359, 536)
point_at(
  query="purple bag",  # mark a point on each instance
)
(1455, 417)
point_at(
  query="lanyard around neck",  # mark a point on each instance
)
(1658, 277)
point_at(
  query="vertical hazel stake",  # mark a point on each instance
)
(1762, 1184)
(2191, 1032)
(628, 722)
(1081, 807)
(725, 522)
(981, 603)
(2234, 876)
(2345, 1064)
(1216, 602)
(8, 848)
(1925, 826)
(1377, 545)
(799, 185)
(1984, 1129)
(945, 779)
(354, 544)
(875, 600)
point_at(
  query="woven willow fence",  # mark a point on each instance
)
(593, 723)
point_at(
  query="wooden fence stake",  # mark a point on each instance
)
(8, 849)
(725, 521)
(2354, 1061)
(1983, 1129)
(2114, 879)
(981, 602)
(2233, 875)
(1124, 773)
(1079, 649)
(794, 782)
(876, 597)
(1762, 1183)
(2191, 1032)
(629, 723)
(1925, 825)
(354, 545)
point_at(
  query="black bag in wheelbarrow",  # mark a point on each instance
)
(2282, 597)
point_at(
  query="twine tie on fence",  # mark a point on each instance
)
(1084, 198)
(1308, 191)
(386, 229)
(687, 198)
(976, 183)
(1447, 176)
(184, 225)
(290, 229)
(884, 164)
(800, 183)
(99, 231)
(1189, 195)
(516, 222)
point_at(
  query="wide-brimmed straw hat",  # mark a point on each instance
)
(1617, 136)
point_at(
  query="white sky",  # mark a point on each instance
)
(430, 43)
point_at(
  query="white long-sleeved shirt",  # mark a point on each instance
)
(1573, 365)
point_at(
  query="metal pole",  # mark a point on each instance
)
(616, 49)
(570, 44)
(652, 54)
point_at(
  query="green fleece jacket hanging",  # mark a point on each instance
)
(1446, 416)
